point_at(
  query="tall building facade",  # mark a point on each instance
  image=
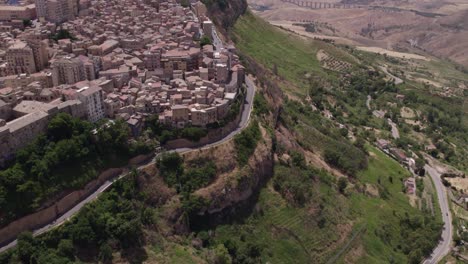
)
(67, 70)
(57, 11)
(41, 10)
(39, 47)
(93, 101)
(20, 58)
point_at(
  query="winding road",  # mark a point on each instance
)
(395, 79)
(443, 248)
(243, 123)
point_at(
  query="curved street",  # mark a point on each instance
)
(443, 248)
(246, 113)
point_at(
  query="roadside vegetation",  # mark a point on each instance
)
(68, 156)
(246, 142)
(115, 223)
(199, 173)
(164, 133)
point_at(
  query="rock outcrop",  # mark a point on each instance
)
(225, 13)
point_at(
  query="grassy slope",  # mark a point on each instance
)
(295, 57)
(376, 212)
(442, 72)
(290, 234)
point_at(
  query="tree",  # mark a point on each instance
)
(113, 136)
(232, 247)
(420, 163)
(129, 232)
(105, 253)
(81, 232)
(65, 248)
(254, 250)
(193, 133)
(415, 256)
(222, 255)
(298, 159)
(61, 127)
(27, 22)
(205, 40)
(185, 3)
(50, 256)
(342, 184)
(63, 34)
(26, 247)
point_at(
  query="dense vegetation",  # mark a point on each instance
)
(165, 133)
(116, 222)
(67, 157)
(62, 34)
(199, 173)
(246, 142)
(205, 40)
(318, 134)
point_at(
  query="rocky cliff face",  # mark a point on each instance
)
(234, 192)
(224, 13)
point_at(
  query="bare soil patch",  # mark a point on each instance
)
(407, 113)
(459, 183)
(396, 54)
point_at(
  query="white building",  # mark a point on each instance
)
(93, 100)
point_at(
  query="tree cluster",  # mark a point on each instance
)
(67, 156)
(115, 223)
(246, 142)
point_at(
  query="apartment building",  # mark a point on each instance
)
(20, 58)
(93, 100)
(13, 12)
(67, 70)
(57, 11)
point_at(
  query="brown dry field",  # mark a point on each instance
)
(444, 34)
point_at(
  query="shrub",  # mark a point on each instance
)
(193, 133)
(246, 142)
(342, 184)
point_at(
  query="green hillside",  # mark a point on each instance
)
(385, 226)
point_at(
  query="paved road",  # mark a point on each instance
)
(443, 248)
(245, 118)
(396, 80)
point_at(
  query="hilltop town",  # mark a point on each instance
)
(134, 131)
(111, 59)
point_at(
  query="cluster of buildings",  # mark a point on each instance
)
(396, 153)
(126, 59)
(400, 156)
